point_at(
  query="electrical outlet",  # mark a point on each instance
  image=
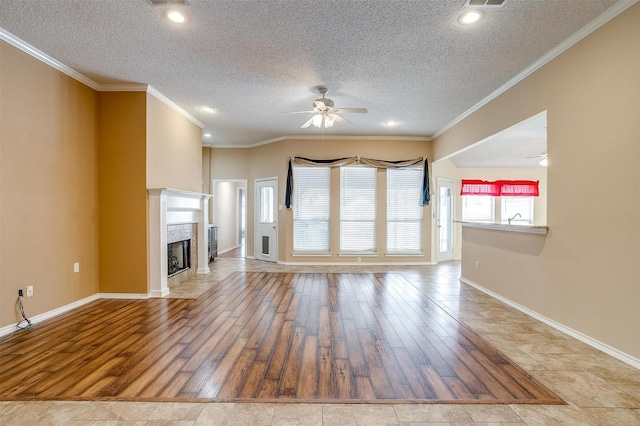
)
(76, 267)
(20, 294)
(359, 259)
(477, 264)
(30, 291)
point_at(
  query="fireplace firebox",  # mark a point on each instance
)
(178, 257)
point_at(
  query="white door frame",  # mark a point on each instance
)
(256, 217)
(448, 255)
(240, 215)
(215, 200)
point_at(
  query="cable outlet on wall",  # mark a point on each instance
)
(76, 267)
(29, 291)
(477, 264)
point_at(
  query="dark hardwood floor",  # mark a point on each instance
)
(269, 336)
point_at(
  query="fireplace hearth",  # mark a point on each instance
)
(178, 257)
(176, 215)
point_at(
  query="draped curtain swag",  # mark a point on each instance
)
(500, 188)
(371, 162)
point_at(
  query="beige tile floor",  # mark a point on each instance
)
(599, 389)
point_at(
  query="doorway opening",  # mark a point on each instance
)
(228, 213)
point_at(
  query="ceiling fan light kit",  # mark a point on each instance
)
(325, 115)
(544, 159)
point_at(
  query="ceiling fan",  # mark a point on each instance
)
(544, 161)
(325, 115)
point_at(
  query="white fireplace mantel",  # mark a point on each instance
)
(173, 206)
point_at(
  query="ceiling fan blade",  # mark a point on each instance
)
(299, 112)
(352, 110)
(340, 119)
(308, 123)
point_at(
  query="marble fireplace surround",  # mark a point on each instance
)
(174, 207)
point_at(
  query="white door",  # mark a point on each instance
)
(444, 220)
(266, 220)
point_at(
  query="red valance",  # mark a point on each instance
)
(500, 188)
(479, 187)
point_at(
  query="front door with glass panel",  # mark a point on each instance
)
(444, 220)
(266, 220)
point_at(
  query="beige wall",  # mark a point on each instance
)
(271, 161)
(206, 170)
(174, 149)
(48, 186)
(585, 273)
(123, 192)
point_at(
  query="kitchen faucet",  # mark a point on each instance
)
(514, 216)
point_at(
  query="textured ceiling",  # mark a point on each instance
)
(403, 60)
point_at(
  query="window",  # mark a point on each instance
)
(266, 204)
(311, 203)
(477, 208)
(514, 206)
(357, 209)
(404, 211)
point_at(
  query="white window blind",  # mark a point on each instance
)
(477, 208)
(404, 211)
(311, 205)
(357, 210)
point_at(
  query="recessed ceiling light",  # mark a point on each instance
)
(470, 17)
(175, 16)
(209, 109)
(207, 135)
(391, 123)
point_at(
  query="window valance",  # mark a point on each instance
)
(371, 162)
(500, 188)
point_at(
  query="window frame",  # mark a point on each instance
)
(344, 220)
(416, 193)
(492, 208)
(504, 217)
(313, 251)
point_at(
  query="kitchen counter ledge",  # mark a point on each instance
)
(544, 230)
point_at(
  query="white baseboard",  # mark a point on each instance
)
(9, 329)
(609, 350)
(356, 263)
(124, 296)
(227, 250)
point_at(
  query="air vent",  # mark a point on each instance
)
(167, 2)
(487, 3)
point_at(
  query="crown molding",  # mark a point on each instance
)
(162, 98)
(328, 138)
(119, 87)
(583, 32)
(360, 137)
(122, 87)
(43, 57)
